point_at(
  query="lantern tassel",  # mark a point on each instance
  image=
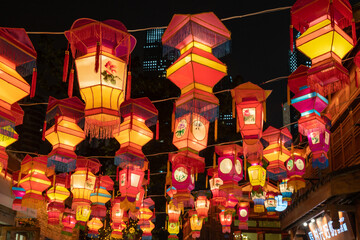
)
(237, 125)
(332, 13)
(66, 65)
(97, 57)
(148, 176)
(128, 88)
(33, 83)
(44, 130)
(216, 130)
(206, 181)
(173, 118)
(245, 167)
(288, 96)
(353, 31)
(117, 173)
(264, 107)
(233, 108)
(71, 83)
(56, 123)
(157, 130)
(291, 38)
(214, 160)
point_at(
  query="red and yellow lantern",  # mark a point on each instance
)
(202, 205)
(173, 212)
(101, 196)
(94, 225)
(117, 229)
(173, 229)
(195, 224)
(68, 222)
(226, 221)
(117, 212)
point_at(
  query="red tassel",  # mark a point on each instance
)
(353, 31)
(33, 83)
(291, 38)
(157, 130)
(128, 89)
(66, 65)
(300, 137)
(173, 118)
(148, 177)
(71, 83)
(44, 130)
(332, 13)
(117, 174)
(56, 122)
(97, 57)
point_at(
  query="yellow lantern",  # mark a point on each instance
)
(94, 225)
(257, 175)
(100, 196)
(173, 229)
(195, 224)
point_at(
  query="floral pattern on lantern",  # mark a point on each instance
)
(195, 224)
(295, 167)
(226, 221)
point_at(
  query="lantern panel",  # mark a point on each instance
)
(257, 175)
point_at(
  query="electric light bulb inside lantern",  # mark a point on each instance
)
(304, 224)
(312, 220)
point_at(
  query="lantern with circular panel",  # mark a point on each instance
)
(243, 214)
(323, 41)
(101, 62)
(173, 229)
(295, 167)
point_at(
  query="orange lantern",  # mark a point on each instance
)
(62, 117)
(18, 192)
(146, 227)
(130, 181)
(94, 225)
(173, 212)
(145, 212)
(323, 41)
(107, 52)
(195, 224)
(218, 196)
(34, 182)
(226, 221)
(68, 222)
(100, 196)
(202, 205)
(250, 101)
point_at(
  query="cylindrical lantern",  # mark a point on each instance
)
(101, 62)
(243, 214)
(94, 225)
(195, 224)
(62, 117)
(202, 205)
(100, 196)
(226, 221)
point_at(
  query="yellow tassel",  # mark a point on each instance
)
(196, 176)
(214, 160)
(288, 96)
(237, 125)
(264, 110)
(19, 178)
(216, 130)
(233, 108)
(206, 181)
(329, 98)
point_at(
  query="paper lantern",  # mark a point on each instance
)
(17, 191)
(202, 205)
(195, 224)
(130, 181)
(250, 101)
(68, 222)
(230, 202)
(117, 212)
(145, 212)
(295, 167)
(146, 227)
(226, 221)
(62, 117)
(253, 151)
(117, 230)
(286, 191)
(323, 41)
(281, 204)
(138, 114)
(258, 197)
(103, 89)
(243, 214)
(218, 196)
(230, 163)
(34, 182)
(94, 225)
(257, 175)
(173, 212)
(270, 203)
(173, 229)
(139, 198)
(182, 178)
(101, 196)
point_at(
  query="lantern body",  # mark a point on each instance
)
(270, 203)
(117, 213)
(130, 182)
(117, 229)
(182, 178)
(243, 214)
(230, 169)
(196, 225)
(94, 225)
(202, 205)
(226, 221)
(258, 196)
(253, 151)
(101, 196)
(281, 204)
(68, 223)
(286, 191)
(173, 228)
(173, 212)
(82, 185)
(296, 164)
(257, 175)
(218, 196)
(54, 210)
(102, 89)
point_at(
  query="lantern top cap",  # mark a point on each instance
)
(205, 28)
(17, 113)
(92, 164)
(148, 203)
(85, 33)
(230, 149)
(273, 134)
(189, 159)
(249, 90)
(298, 79)
(69, 107)
(306, 12)
(141, 107)
(106, 181)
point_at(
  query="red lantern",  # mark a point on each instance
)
(68, 222)
(117, 230)
(146, 227)
(244, 211)
(17, 191)
(57, 195)
(117, 212)
(218, 196)
(101, 196)
(253, 151)
(295, 167)
(130, 181)
(226, 221)
(103, 89)
(202, 205)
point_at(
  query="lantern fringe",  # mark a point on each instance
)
(33, 83)
(291, 39)
(216, 130)
(66, 65)
(33, 203)
(128, 87)
(98, 129)
(71, 83)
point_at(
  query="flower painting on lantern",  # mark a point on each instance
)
(249, 115)
(181, 128)
(181, 174)
(315, 137)
(109, 73)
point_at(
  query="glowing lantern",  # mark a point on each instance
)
(34, 182)
(243, 210)
(314, 127)
(258, 196)
(100, 196)
(281, 204)
(139, 198)
(173, 212)
(173, 229)
(250, 101)
(103, 89)
(17, 60)
(202, 205)
(146, 227)
(130, 181)
(17, 191)
(218, 196)
(195, 224)
(139, 114)
(230, 202)
(82, 184)
(94, 225)
(62, 117)
(270, 203)
(276, 152)
(323, 41)
(68, 222)
(117, 212)
(295, 167)
(145, 212)
(253, 151)
(117, 230)
(226, 221)
(230, 163)
(257, 175)
(286, 191)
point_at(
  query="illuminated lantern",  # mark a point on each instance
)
(62, 117)
(276, 152)
(145, 212)
(295, 167)
(250, 101)
(117, 212)
(244, 211)
(146, 227)
(34, 182)
(117, 230)
(17, 191)
(226, 221)
(94, 225)
(314, 127)
(82, 184)
(171, 191)
(130, 181)
(100, 196)
(17, 60)
(323, 41)
(258, 197)
(257, 175)
(281, 204)
(68, 222)
(173, 229)
(102, 89)
(173, 212)
(57, 194)
(270, 203)
(253, 151)
(139, 198)
(138, 114)
(195, 224)
(286, 191)
(218, 196)
(202, 205)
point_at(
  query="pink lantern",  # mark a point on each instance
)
(230, 163)
(243, 214)
(295, 168)
(218, 196)
(202, 205)
(253, 151)
(130, 181)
